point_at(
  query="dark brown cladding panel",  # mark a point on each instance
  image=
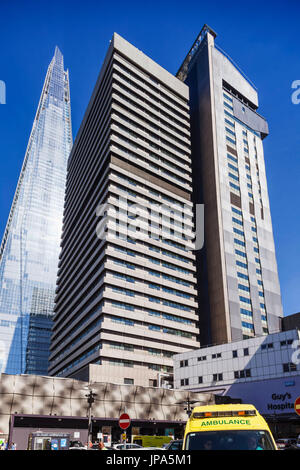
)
(148, 177)
(231, 150)
(235, 200)
(251, 208)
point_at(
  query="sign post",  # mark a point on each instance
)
(124, 423)
(297, 406)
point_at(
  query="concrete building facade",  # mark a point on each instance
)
(291, 322)
(30, 403)
(126, 289)
(238, 282)
(263, 371)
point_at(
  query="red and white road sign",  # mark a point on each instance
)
(297, 406)
(124, 421)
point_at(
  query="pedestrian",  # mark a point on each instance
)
(13, 446)
(101, 446)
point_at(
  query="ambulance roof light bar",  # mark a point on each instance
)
(223, 414)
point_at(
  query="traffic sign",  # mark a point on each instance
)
(124, 421)
(297, 406)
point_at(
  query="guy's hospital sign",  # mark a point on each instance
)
(2, 92)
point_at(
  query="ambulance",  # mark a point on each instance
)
(227, 427)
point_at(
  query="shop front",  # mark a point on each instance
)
(23, 427)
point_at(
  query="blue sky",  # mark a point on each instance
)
(262, 37)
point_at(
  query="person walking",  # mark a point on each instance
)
(102, 446)
(5, 445)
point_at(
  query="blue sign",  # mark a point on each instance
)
(291, 383)
(63, 443)
(54, 444)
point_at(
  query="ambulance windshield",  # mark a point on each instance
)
(229, 440)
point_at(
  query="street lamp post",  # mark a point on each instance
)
(188, 403)
(90, 399)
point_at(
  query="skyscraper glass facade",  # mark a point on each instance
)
(31, 243)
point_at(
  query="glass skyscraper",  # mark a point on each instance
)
(31, 243)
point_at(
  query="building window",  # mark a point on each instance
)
(246, 352)
(129, 381)
(234, 353)
(200, 380)
(184, 382)
(286, 342)
(241, 374)
(216, 356)
(289, 367)
(217, 377)
(202, 358)
(184, 363)
(267, 346)
(152, 383)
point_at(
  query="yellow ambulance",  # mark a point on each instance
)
(227, 427)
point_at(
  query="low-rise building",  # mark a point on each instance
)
(290, 322)
(263, 371)
(30, 403)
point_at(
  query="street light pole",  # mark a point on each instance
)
(188, 403)
(90, 399)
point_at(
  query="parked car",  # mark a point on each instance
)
(77, 445)
(284, 443)
(176, 444)
(292, 447)
(127, 446)
(130, 446)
